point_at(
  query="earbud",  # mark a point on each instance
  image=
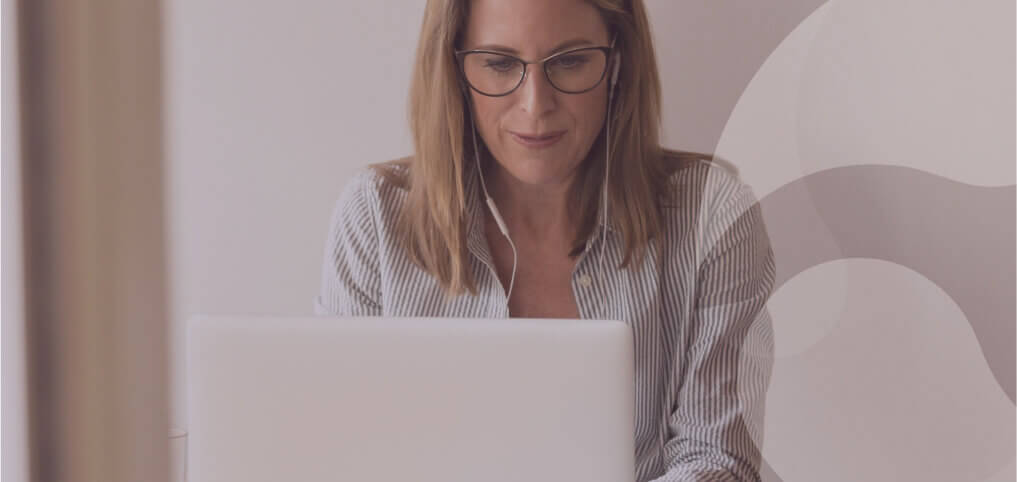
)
(617, 68)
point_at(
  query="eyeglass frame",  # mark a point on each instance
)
(460, 54)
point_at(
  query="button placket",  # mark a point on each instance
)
(584, 280)
(584, 276)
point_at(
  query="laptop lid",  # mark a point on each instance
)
(397, 399)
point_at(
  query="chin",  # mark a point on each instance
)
(537, 172)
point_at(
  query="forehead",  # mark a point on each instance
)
(532, 27)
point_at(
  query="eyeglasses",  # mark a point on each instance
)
(497, 74)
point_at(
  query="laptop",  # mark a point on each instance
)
(409, 399)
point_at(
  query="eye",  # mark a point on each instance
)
(500, 65)
(571, 61)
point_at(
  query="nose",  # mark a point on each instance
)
(537, 95)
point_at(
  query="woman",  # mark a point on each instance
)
(538, 188)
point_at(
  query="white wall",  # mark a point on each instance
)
(271, 105)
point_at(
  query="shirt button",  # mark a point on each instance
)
(585, 281)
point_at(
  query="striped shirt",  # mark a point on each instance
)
(696, 306)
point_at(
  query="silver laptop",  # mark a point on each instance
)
(409, 399)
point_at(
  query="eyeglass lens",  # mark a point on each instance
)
(496, 74)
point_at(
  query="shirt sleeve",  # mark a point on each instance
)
(350, 277)
(723, 367)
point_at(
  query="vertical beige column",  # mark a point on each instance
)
(91, 111)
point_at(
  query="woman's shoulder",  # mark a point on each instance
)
(393, 174)
(702, 184)
(680, 160)
(706, 198)
(373, 193)
(379, 180)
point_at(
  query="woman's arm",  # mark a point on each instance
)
(350, 278)
(723, 372)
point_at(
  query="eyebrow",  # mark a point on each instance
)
(509, 50)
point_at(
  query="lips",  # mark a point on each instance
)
(537, 139)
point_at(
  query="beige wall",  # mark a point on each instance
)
(84, 323)
(15, 452)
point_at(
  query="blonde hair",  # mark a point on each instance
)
(434, 217)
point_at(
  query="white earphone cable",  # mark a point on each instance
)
(494, 212)
(604, 195)
(607, 162)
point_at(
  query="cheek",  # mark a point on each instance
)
(487, 114)
(589, 114)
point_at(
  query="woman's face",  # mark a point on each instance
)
(533, 30)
